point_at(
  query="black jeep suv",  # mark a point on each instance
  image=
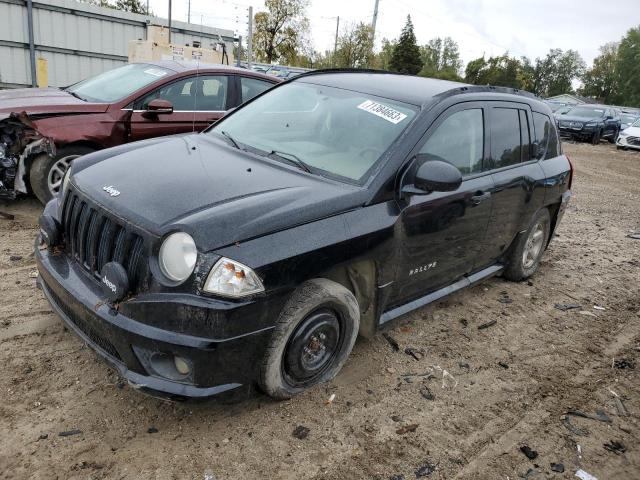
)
(589, 122)
(254, 253)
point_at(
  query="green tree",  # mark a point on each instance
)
(280, 30)
(355, 47)
(383, 58)
(628, 69)
(441, 59)
(406, 54)
(601, 80)
(554, 74)
(133, 6)
(503, 71)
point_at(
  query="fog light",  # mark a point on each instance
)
(182, 366)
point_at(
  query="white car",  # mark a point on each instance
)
(630, 137)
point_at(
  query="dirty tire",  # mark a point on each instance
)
(42, 165)
(516, 269)
(313, 296)
(595, 138)
(614, 136)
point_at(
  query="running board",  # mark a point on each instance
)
(438, 294)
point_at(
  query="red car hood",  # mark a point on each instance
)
(44, 101)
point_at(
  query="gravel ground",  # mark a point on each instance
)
(463, 410)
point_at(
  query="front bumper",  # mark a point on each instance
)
(220, 365)
(628, 142)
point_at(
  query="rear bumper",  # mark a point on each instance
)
(219, 365)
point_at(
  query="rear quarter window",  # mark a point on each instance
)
(546, 136)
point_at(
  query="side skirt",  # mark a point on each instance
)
(438, 294)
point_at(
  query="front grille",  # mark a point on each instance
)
(93, 239)
(97, 339)
(571, 125)
(633, 140)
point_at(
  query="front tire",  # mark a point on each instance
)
(46, 173)
(614, 136)
(312, 339)
(525, 255)
(595, 138)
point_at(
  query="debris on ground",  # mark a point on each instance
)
(589, 314)
(301, 432)
(624, 363)
(598, 307)
(407, 428)
(616, 447)
(635, 236)
(68, 433)
(396, 477)
(392, 341)
(415, 352)
(426, 393)
(330, 400)
(15, 258)
(582, 475)
(531, 473)
(600, 415)
(557, 467)
(425, 470)
(464, 322)
(487, 325)
(152, 430)
(504, 298)
(567, 306)
(33, 274)
(7, 216)
(396, 418)
(581, 432)
(43, 436)
(529, 453)
(503, 365)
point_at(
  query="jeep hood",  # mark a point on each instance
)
(203, 186)
(43, 101)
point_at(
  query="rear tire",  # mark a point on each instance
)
(525, 255)
(312, 339)
(45, 175)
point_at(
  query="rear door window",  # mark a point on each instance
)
(546, 136)
(201, 93)
(252, 87)
(459, 140)
(506, 142)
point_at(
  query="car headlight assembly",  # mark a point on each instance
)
(178, 255)
(623, 134)
(229, 278)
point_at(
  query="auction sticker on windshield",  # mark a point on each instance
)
(382, 111)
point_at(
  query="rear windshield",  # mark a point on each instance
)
(118, 83)
(337, 133)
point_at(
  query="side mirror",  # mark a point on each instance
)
(437, 176)
(535, 149)
(158, 107)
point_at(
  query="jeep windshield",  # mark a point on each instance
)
(585, 112)
(118, 83)
(333, 132)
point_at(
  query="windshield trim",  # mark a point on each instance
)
(367, 177)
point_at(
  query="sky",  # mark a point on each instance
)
(489, 27)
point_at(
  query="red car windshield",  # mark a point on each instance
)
(119, 83)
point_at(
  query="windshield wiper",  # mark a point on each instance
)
(228, 135)
(291, 158)
(76, 95)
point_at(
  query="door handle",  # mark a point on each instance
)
(480, 197)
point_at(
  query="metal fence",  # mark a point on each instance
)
(79, 40)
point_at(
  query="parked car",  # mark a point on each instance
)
(325, 207)
(627, 119)
(589, 122)
(630, 137)
(43, 130)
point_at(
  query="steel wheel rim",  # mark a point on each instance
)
(533, 246)
(312, 348)
(56, 173)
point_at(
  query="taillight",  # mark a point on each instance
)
(570, 171)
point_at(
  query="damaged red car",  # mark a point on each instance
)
(43, 130)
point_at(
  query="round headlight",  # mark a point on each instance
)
(178, 256)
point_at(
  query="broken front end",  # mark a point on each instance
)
(20, 143)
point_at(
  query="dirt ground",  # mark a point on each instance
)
(505, 386)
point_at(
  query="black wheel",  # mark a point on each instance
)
(614, 136)
(524, 256)
(312, 339)
(595, 138)
(47, 172)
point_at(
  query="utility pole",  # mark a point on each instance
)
(335, 43)
(189, 12)
(32, 47)
(375, 18)
(169, 22)
(239, 51)
(250, 38)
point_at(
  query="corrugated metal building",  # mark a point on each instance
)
(79, 40)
